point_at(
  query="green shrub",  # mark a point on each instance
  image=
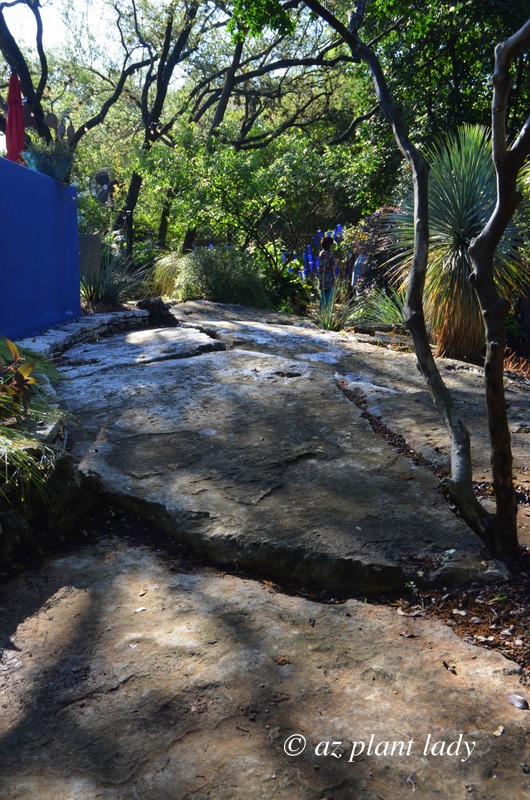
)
(25, 461)
(286, 289)
(220, 274)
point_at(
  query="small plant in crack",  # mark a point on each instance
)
(411, 587)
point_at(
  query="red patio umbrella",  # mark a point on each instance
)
(15, 138)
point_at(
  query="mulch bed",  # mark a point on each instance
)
(494, 616)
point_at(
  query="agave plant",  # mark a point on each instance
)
(118, 279)
(461, 198)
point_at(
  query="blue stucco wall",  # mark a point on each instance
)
(39, 252)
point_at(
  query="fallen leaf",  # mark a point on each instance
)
(282, 660)
(272, 587)
(413, 612)
(518, 701)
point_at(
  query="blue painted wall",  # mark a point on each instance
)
(39, 252)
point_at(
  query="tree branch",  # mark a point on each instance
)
(228, 87)
(353, 125)
(107, 105)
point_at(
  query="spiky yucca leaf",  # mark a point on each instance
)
(379, 307)
(462, 195)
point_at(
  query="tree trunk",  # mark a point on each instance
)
(124, 220)
(16, 60)
(163, 225)
(189, 238)
(501, 537)
(460, 485)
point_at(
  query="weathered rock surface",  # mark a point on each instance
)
(124, 676)
(232, 432)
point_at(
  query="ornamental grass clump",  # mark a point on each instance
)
(336, 314)
(222, 274)
(379, 307)
(25, 466)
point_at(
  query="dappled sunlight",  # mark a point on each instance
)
(41, 637)
(189, 684)
(247, 452)
(50, 785)
(176, 684)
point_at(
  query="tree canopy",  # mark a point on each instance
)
(257, 120)
(246, 74)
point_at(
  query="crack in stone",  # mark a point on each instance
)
(394, 440)
(202, 349)
(198, 351)
(98, 690)
(262, 496)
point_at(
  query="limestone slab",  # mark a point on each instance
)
(252, 456)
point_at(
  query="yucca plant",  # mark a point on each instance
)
(462, 196)
(379, 306)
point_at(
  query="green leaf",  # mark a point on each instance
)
(26, 369)
(13, 350)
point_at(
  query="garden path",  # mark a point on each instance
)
(128, 674)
